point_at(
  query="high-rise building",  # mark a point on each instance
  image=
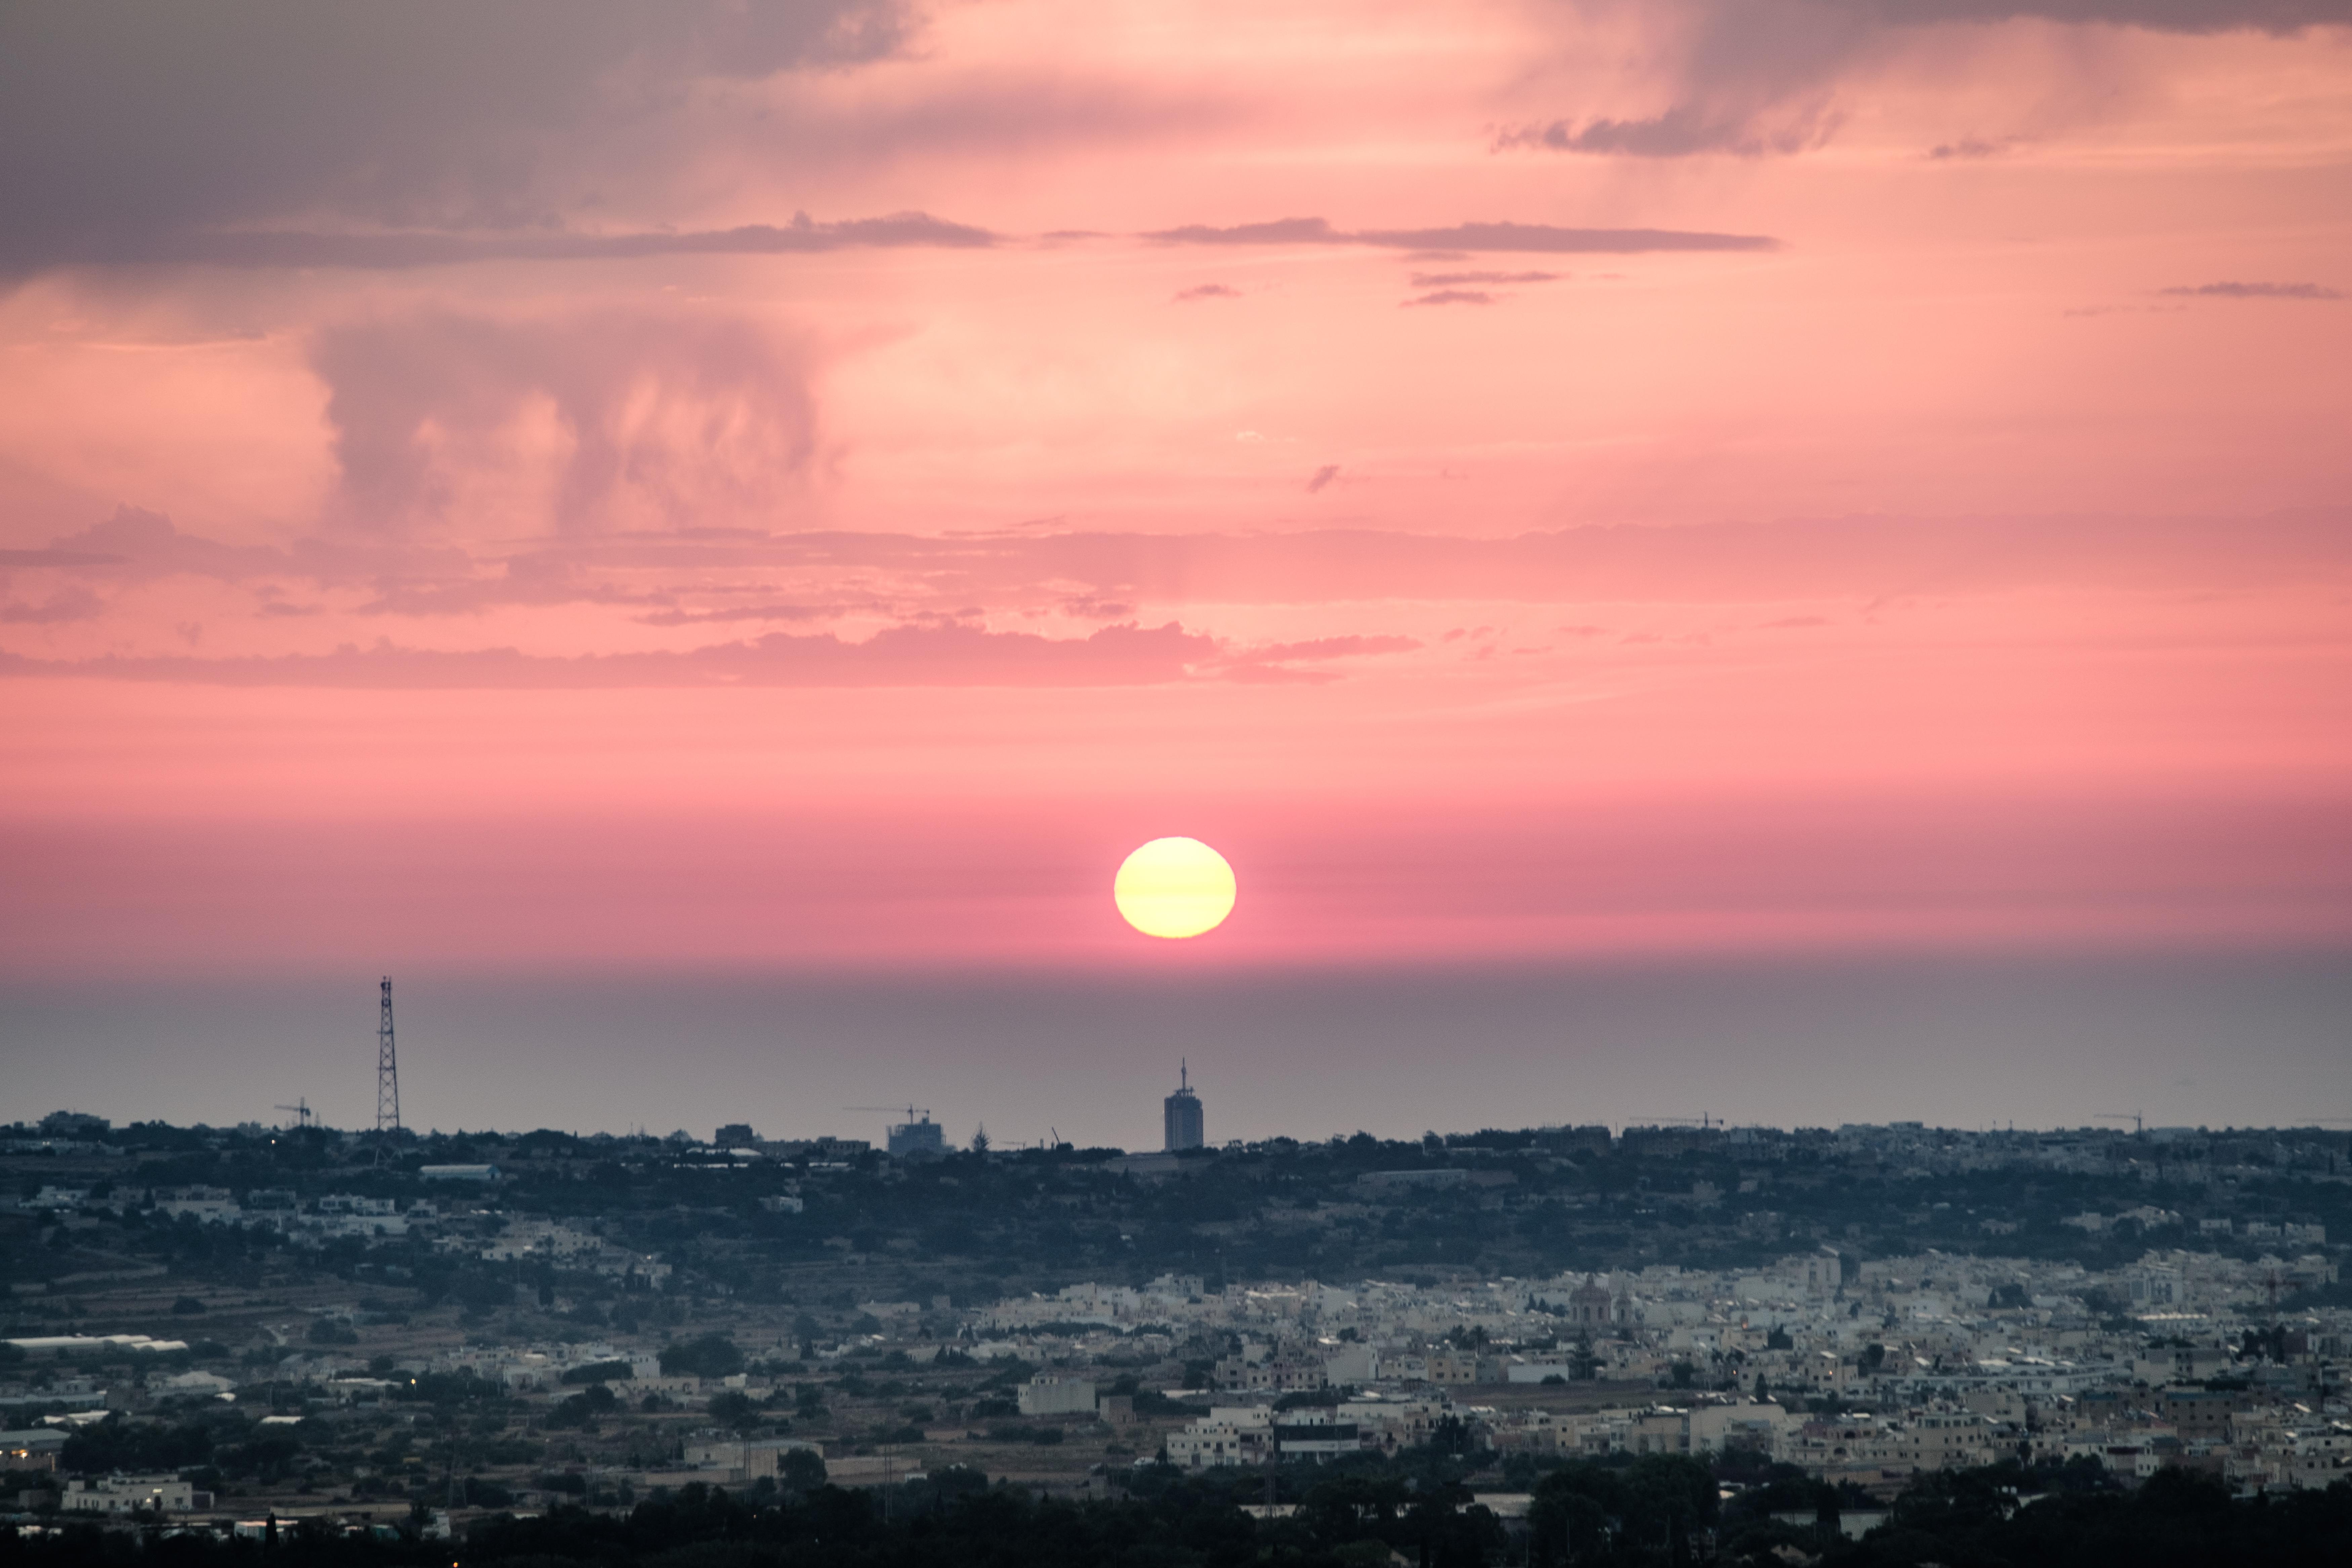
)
(913, 1139)
(1180, 1113)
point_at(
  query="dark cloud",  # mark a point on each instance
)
(1323, 475)
(1465, 237)
(126, 127)
(1458, 280)
(900, 656)
(1451, 297)
(1753, 77)
(1208, 291)
(2257, 292)
(673, 414)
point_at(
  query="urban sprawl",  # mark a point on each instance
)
(238, 1329)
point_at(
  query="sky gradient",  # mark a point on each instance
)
(791, 495)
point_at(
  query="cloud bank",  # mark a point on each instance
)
(132, 132)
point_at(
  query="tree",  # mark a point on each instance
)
(705, 1355)
(734, 1408)
(799, 1470)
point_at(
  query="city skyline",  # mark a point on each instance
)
(2244, 1041)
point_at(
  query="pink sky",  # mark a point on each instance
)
(666, 486)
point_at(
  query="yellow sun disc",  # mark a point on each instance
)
(1174, 887)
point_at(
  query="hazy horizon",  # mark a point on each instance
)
(2244, 1040)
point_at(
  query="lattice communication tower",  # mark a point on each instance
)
(387, 1069)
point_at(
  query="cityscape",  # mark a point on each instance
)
(275, 1326)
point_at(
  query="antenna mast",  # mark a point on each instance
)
(388, 1074)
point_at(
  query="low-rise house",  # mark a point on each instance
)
(134, 1494)
(1228, 1435)
(36, 1450)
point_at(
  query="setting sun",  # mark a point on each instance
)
(1175, 888)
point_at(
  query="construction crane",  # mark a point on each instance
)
(301, 1109)
(911, 1111)
(2138, 1123)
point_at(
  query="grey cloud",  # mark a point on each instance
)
(1207, 291)
(124, 124)
(1281, 231)
(750, 425)
(1536, 237)
(1753, 77)
(1323, 475)
(1451, 297)
(1678, 133)
(2257, 292)
(2152, 16)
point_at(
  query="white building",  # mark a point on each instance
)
(1228, 1435)
(131, 1494)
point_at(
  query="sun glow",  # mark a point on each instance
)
(1174, 887)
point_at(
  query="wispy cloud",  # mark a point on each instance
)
(663, 575)
(1679, 132)
(402, 249)
(1316, 649)
(1450, 296)
(1323, 475)
(744, 612)
(1460, 280)
(1536, 237)
(1208, 291)
(898, 656)
(1970, 148)
(2256, 292)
